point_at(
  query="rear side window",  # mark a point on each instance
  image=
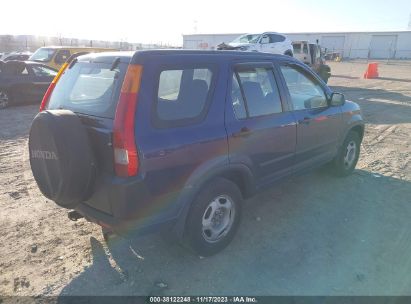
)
(182, 95)
(259, 90)
(237, 99)
(89, 88)
(276, 38)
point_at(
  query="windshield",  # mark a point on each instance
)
(248, 38)
(89, 88)
(43, 55)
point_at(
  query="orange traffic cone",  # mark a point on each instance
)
(372, 71)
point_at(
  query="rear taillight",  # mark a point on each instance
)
(50, 89)
(125, 149)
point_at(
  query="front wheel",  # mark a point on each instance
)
(347, 158)
(214, 217)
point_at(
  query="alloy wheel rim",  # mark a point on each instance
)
(218, 218)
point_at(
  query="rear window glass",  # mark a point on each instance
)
(89, 88)
(182, 94)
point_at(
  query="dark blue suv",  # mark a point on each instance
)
(177, 139)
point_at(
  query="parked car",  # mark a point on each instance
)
(175, 140)
(16, 56)
(23, 81)
(55, 56)
(268, 42)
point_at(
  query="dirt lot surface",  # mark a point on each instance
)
(311, 235)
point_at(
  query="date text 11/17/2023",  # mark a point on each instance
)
(202, 299)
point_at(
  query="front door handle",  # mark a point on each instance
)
(244, 132)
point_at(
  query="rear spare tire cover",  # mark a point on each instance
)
(61, 157)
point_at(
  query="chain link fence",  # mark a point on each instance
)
(10, 43)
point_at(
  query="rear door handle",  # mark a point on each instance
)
(244, 132)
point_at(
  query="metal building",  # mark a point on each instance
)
(375, 45)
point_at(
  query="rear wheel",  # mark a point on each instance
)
(5, 99)
(347, 158)
(214, 217)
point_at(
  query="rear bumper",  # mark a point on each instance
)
(129, 228)
(129, 206)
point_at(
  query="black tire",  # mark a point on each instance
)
(61, 157)
(195, 237)
(339, 165)
(5, 99)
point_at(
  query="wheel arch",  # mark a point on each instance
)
(239, 174)
(359, 129)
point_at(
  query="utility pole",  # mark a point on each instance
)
(409, 23)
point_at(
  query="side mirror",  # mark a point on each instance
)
(337, 99)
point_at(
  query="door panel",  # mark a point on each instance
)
(265, 143)
(318, 124)
(40, 85)
(317, 133)
(22, 88)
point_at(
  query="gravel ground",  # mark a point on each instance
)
(311, 235)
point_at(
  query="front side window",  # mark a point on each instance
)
(260, 92)
(182, 94)
(305, 92)
(62, 56)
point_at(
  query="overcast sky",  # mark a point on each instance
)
(165, 21)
